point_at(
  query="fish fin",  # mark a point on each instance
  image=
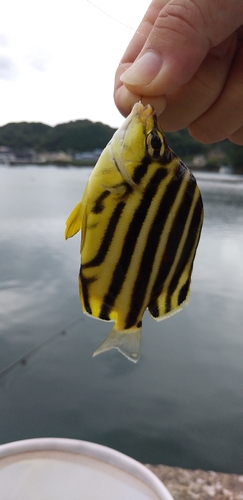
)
(74, 221)
(162, 309)
(126, 341)
(158, 316)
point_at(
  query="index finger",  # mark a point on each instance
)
(124, 98)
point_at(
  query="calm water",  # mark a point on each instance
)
(182, 404)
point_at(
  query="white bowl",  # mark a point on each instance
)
(68, 469)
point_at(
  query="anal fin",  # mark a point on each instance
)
(165, 306)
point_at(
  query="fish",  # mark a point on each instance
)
(140, 218)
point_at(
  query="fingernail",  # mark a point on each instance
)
(143, 70)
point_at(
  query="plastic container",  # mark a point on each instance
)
(68, 469)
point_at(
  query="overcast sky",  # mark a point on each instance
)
(58, 58)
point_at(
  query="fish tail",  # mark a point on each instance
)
(126, 341)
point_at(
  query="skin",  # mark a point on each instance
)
(192, 72)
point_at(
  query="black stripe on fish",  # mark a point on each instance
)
(184, 289)
(171, 249)
(190, 243)
(154, 309)
(104, 316)
(150, 248)
(130, 240)
(98, 206)
(174, 238)
(107, 239)
(141, 170)
(114, 288)
(84, 284)
(167, 157)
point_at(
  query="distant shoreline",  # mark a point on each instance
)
(222, 174)
(75, 163)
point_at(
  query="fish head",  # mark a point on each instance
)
(138, 137)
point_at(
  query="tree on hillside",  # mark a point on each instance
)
(183, 144)
(78, 136)
(235, 155)
(23, 135)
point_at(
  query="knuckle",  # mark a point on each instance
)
(237, 137)
(183, 17)
(204, 134)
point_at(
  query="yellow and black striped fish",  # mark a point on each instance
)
(141, 216)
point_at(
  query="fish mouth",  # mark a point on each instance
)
(143, 112)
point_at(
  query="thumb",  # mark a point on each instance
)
(179, 40)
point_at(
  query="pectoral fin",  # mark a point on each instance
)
(126, 341)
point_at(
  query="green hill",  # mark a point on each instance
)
(85, 135)
(23, 135)
(77, 136)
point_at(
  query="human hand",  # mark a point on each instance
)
(191, 70)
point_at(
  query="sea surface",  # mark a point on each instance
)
(182, 403)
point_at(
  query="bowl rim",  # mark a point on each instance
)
(93, 450)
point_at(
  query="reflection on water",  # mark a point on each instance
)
(182, 404)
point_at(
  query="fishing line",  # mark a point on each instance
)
(28, 354)
(119, 22)
(115, 19)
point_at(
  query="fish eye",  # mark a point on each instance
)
(155, 143)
